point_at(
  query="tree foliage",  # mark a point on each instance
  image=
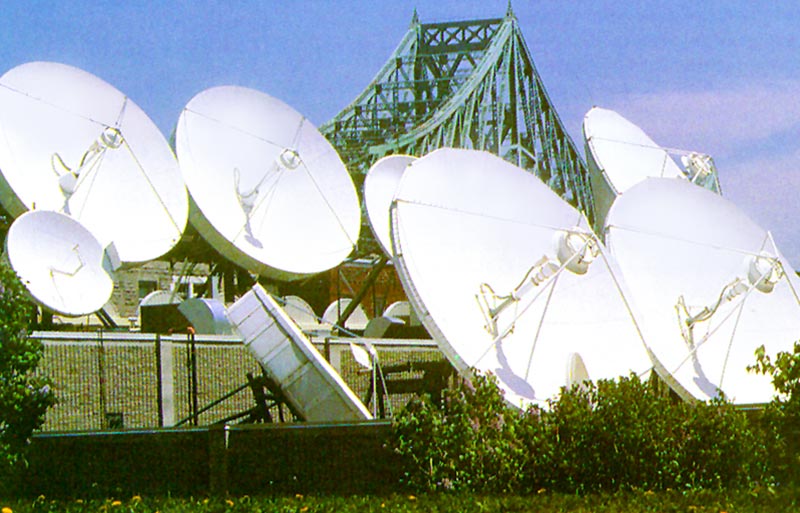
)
(781, 418)
(24, 396)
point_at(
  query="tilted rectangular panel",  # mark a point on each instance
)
(308, 382)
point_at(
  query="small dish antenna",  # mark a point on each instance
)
(710, 283)
(508, 278)
(301, 312)
(267, 189)
(620, 155)
(357, 321)
(380, 185)
(63, 266)
(402, 310)
(72, 143)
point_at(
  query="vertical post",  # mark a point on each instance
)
(194, 377)
(218, 459)
(160, 384)
(101, 370)
(166, 381)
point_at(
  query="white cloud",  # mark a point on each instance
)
(717, 121)
(767, 189)
(753, 133)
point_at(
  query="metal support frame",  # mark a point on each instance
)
(266, 394)
(468, 84)
(432, 381)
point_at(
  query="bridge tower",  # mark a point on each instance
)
(464, 84)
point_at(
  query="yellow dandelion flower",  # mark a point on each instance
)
(412, 498)
(6, 509)
(304, 509)
(116, 503)
(298, 496)
(136, 498)
(229, 503)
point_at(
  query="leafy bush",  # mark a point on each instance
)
(615, 435)
(781, 418)
(469, 442)
(24, 398)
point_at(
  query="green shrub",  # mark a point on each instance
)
(468, 442)
(781, 418)
(24, 398)
(609, 436)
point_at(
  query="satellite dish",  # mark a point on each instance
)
(71, 142)
(379, 188)
(484, 251)
(402, 310)
(60, 262)
(383, 327)
(301, 312)
(357, 321)
(620, 155)
(267, 190)
(207, 316)
(307, 380)
(710, 283)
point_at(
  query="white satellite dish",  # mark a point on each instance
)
(710, 283)
(71, 142)
(307, 380)
(160, 297)
(620, 155)
(301, 312)
(267, 190)
(508, 278)
(357, 321)
(60, 262)
(207, 316)
(402, 310)
(379, 187)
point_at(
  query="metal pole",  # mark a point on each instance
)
(194, 376)
(101, 369)
(371, 278)
(160, 392)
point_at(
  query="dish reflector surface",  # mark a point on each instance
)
(380, 185)
(476, 242)
(60, 262)
(620, 155)
(710, 283)
(268, 191)
(623, 152)
(71, 142)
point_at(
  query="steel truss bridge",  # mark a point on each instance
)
(465, 84)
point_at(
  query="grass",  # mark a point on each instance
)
(695, 501)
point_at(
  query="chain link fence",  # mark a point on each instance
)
(118, 380)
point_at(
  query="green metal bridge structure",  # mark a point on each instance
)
(462, 84)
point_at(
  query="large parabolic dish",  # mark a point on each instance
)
(267, 189)
(620, 155)
(508, 278)
(71, 142)
(60, 262)
(380, 185)
(711, 286)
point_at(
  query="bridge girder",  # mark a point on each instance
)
(467, 84)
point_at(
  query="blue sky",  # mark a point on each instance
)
(721, 77)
